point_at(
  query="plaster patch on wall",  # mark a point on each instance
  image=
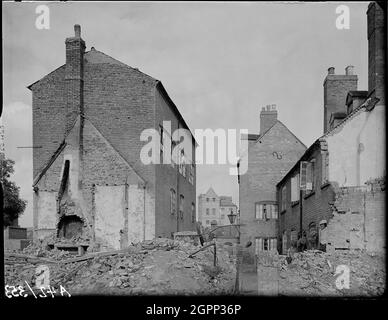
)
(46, 209)
(109, 218)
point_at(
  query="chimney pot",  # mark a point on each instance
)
(77, 31)
(349, 70)
(330, 70)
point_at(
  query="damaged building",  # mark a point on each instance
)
(346, 166)
(89, 180)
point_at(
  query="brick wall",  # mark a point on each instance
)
(168, 177)
(48, 116)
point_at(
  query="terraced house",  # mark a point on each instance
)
(88, 117)
(271, 154)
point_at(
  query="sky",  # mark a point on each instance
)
(219, 62)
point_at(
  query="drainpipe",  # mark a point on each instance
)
(301, 212)
(144, 210)
(364, 224)
(178, 198)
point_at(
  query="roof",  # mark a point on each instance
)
(211, 193)
(259, 137)
(226, 201)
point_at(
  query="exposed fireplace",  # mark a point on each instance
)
(70, 226)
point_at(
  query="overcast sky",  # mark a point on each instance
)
(219, 62)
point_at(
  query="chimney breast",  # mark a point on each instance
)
(77, 31)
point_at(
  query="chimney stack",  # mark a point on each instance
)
(268, 117)
(75, 49)
(335, 90)
(349, 70)
(376, 52)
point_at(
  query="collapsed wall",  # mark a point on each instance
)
(358, 218)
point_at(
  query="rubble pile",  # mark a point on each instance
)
(315, 273)
(160, 266)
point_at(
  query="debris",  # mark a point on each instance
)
(312, 272)
(158, 266)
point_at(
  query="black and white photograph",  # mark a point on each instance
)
(218, 149)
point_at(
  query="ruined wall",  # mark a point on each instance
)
(359, 218)
(46, 207)
(357, 148)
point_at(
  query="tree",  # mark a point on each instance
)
(13, 205)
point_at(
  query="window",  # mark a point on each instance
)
(325, 167)
(214, 199)
(222, 216)
(295, 188)
(181, 206)
(265, 211)
(192, 212)
(310, 183)
(172, 201)
(207, 199)
(207, 211)
(207, 221)
(284, 199)
(213, 211)
(265, 244)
